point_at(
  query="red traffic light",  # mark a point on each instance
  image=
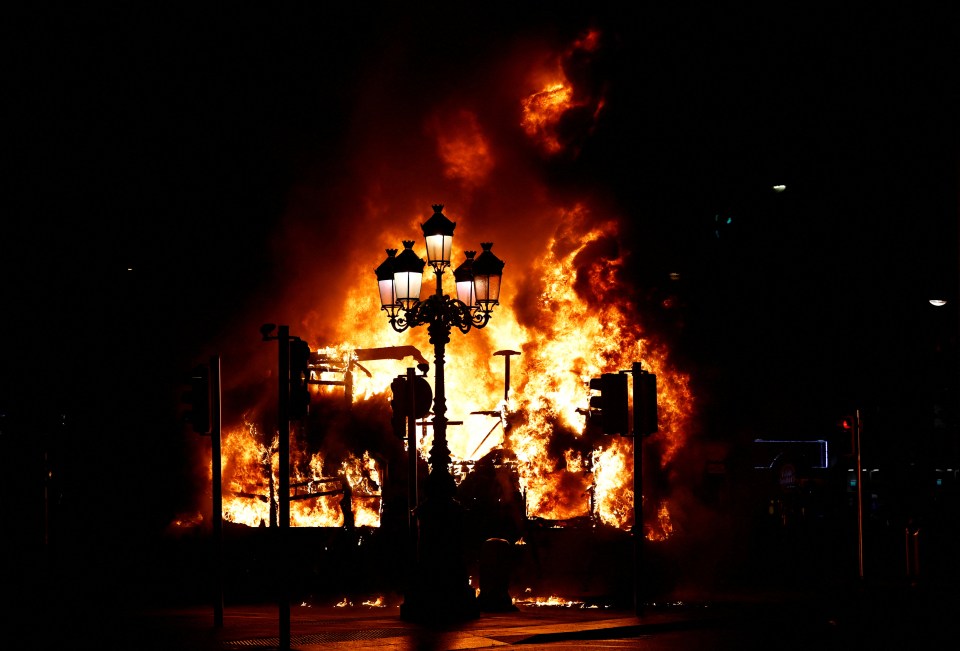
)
(848, 423)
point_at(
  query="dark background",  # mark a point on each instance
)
(152, 151)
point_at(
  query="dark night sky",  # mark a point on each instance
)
(167, 142)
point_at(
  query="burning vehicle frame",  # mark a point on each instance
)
(312, 368)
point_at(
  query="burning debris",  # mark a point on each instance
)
(553, 601)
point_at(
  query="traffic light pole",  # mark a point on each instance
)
(856, 447)
(205, 419)
(284, 411)
(638, 436)
(217, 490)
(283, 472)
(645, 423)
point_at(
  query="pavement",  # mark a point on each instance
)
(368, 628)
(855, 615)
(313, 628)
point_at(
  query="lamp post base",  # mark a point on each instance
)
(440, 591)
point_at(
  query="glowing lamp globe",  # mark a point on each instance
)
(407, 276)
(487, 272)
(388, 297)
(438, 233)
(463, 275)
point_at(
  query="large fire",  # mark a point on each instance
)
(565, 306)
(557, 101)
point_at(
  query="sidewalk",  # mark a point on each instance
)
(847, 616)
(313, 628)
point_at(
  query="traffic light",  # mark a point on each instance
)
(299, 379)
(400, 404)
(849, 426)
(645, 403)
(198, 397)
(611, 407)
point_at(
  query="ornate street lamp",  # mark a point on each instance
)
(463, 275)
(407, 276)
(388, 297)
(487, 271)
(442, 590)
(438, 232)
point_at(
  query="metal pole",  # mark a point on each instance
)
(217, 490)
(856, 439)
(283, 472)
(638, 523)
(441, 485)
(506, 378)
(412, 474)
(637, 493)
(506, 371)
(442, 587)
(46, 499)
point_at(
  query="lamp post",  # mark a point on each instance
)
(441, 589)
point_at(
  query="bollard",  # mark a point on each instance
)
(496, 557)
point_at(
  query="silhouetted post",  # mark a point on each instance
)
(856, 446)
(412, 459)
(912, 538)
(217, 489)
(637, 517)
(645, 423)
(506, 354)
(441, 589)
(283, 476)
(283, 472)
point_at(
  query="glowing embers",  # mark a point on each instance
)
(552, 601)
(377, 601)
(373, 602)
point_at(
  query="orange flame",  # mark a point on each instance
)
(564, 306)
(551, 601)
(570, 339)
(249, 474)
(557, 98)
(542, 111)
(662, 528)
(464, 149)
